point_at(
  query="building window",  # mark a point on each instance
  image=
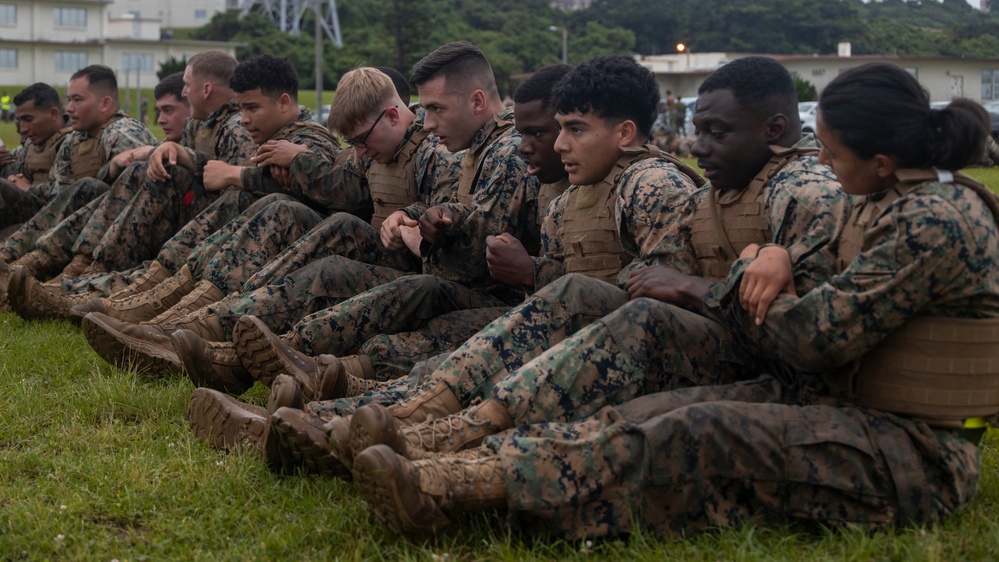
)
(8, 58)
(131, 62)
(990, 84)
(200, 14)
(69, 17)
(8, 14)
(70, 61)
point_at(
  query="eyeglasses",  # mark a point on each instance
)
(359, 142)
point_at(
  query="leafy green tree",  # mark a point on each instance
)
(170, 66)
(806, 90)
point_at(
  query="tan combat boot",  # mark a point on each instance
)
(203, 322)
(36, 262)
(155, 274)
(34, 299)
(211, 364)
(146, 305)
(203, 294)
(373, 424)
(266, 355)
(328, 380)
(130, 346)
(296, 438)
(418, 498)
(224, 422)
(426, 404)
(79, 265)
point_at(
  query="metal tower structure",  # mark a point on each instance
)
(288, 15)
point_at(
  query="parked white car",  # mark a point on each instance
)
(806, 111)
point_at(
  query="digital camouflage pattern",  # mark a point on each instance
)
(504, 199)
(159, 209)
(651, 197)
(435, 170)
(333, 279)
(783, 448)
(68, 194)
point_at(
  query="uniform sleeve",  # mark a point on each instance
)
(652, 203)
(921, 257)
(121, 136)
(234, 146)
(505, 200)
(437, 172)
(808, 213)
(259, 180)
(338, 185)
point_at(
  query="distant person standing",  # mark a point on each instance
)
(5, 106)
(677, 118)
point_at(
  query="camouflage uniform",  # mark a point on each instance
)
(69, 188)
(651, 197)
(210, 227)
(158, 209)
(786, 448)
(434, 171)
(17, 206)
(503, 199)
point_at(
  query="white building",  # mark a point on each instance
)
(170, 13)
(49, 40)
(944, 77)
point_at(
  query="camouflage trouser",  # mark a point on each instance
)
(243, 245)
(644, 346)
(402, 305)
(128, 183)
(154, 214)
(57, 242)
(394, 355)
(78, 233)
(68, 200)
(174, 253)
(17, 206)
(500, 348)
(686, 460)
(340, 234)
(410, 358)
(315, 287)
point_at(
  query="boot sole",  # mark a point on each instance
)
(223, 423)
(260, 356)
(374, 425)
(379, 476)
(292, 442)
(129, 353)
(284, 394)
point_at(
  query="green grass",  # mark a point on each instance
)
(97, 463)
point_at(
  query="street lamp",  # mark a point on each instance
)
(681, 48)
(565, 42)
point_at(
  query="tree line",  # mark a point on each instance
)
(517, 35)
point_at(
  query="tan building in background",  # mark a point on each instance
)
(945, 78)
(49, 40)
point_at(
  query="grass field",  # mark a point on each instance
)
(98, 463)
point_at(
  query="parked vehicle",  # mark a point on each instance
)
(807, 111)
